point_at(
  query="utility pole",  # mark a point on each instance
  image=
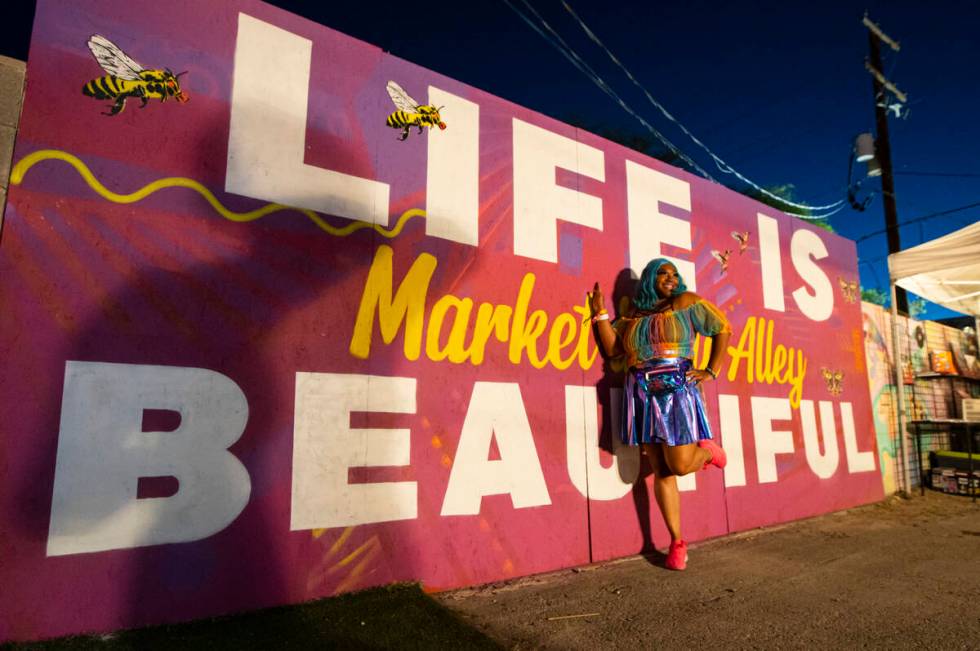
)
(883, 152)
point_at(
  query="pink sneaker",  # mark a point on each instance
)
(718, 456)
(677, 556)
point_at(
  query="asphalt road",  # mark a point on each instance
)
(900, 574)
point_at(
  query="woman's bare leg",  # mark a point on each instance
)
(684, 459)
(665, 490)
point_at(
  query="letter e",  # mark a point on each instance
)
(325, 446)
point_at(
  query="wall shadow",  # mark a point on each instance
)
(223, 298)
(609, 389)
(399, 616)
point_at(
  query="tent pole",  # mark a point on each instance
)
(900, 394)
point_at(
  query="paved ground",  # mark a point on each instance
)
(901, 574)
(904, 573)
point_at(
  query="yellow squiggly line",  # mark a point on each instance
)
(29, 161)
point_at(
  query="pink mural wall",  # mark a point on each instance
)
(214, 402)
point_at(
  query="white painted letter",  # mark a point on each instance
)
(496, 409)
(731, 439)
(103, 452)
(823, 465)
(452, 194)
(772, 265)
(538, 202)
(806, 247)
(325, 447)
(857, 461)
(267, 138)
(646, 189)
(582, 450)
(770, 442)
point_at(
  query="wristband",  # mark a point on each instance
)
(712, 372)
(601, 316)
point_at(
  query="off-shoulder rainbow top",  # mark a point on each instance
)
(669, 333)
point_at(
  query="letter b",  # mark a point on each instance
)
(102, 453)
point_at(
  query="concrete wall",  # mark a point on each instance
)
(11, 100)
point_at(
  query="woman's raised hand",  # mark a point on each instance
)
(596, 300)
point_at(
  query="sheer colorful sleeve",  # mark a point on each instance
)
(707, 319)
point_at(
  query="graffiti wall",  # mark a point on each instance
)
(881, 383)
(939, 367)
(286, 316)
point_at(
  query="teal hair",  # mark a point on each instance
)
(646, 291)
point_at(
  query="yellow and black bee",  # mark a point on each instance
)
(127, 78)
(410, 113)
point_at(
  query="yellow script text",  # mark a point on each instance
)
(565, 339)
(766, 364)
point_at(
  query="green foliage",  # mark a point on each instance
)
(785, 191)
(822, 223)
(875, 295)
(646, 144)
(917, 306)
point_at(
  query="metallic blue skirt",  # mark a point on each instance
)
(661, 406)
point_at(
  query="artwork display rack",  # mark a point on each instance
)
(948, 425)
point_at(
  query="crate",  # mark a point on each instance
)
(950, 483)
(963, 484)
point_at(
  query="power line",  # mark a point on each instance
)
(873, 271)
(965, 175)
(920, 219)
(722, 165)
(562, 46)
(559, 44)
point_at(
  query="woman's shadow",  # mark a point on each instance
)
(633, 466)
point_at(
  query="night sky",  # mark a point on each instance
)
(777, 90)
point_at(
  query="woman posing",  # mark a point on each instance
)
(662, 406)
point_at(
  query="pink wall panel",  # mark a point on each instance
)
(201, 332)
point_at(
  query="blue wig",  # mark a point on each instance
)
(646, 292)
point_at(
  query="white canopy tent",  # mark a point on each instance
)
(945, 271)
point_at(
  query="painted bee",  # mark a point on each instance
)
(849, 289)
(127, 78)
(410, 113)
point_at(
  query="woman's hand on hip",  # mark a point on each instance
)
(699, 375)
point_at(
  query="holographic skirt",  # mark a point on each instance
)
(661, 406)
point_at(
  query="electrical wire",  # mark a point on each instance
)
(559, 44)
(964, 175)
(721, 164)
(919, 219)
